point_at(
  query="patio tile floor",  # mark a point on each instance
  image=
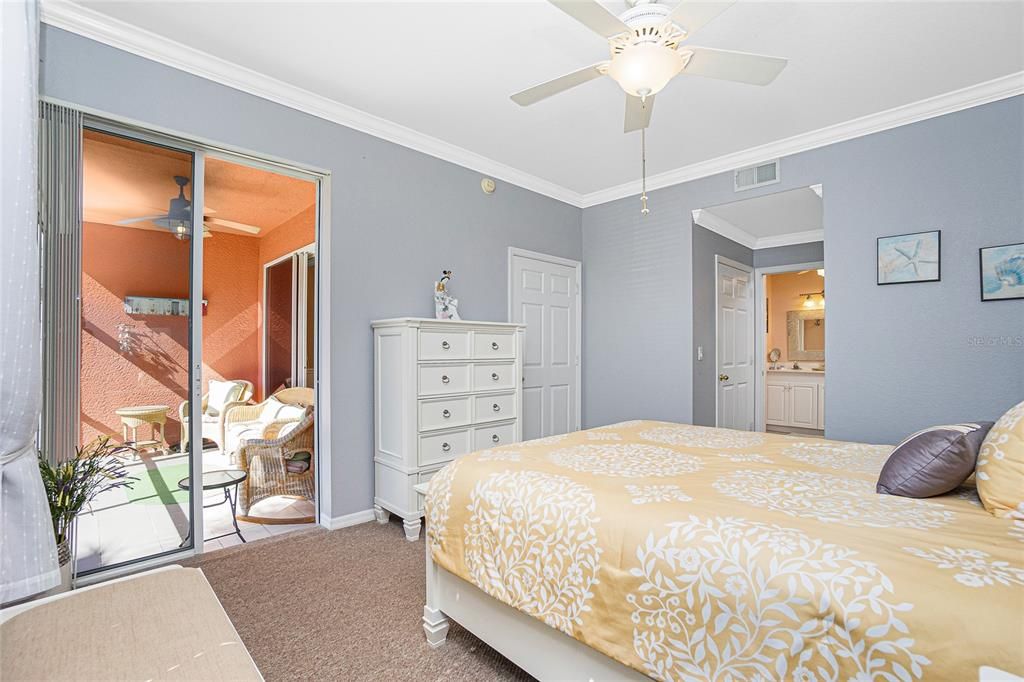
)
(119, 529)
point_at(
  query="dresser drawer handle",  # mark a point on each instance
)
(445, 345)
(496, 407)
(494, 345)
(446, 414)
(445, 379)
(494, 438)
(445, 447)
(494, 376)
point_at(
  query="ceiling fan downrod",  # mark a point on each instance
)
(643, 172)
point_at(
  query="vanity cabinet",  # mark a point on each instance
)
(795, 398)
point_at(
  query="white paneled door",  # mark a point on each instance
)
(735, 347)
(544, 295)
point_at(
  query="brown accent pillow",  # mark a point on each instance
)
(933, 461)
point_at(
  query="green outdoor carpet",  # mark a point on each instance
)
(159, 485)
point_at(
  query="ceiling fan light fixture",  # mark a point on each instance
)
(645, 69)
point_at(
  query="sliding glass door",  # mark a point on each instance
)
(290, 305)
(138, 358)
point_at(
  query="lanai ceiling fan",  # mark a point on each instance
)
(178, 219)
(649, 46)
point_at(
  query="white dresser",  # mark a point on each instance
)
(442, 389)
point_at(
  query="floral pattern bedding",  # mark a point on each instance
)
(695, 553)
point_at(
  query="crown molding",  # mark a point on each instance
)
(719, 225)
(957, 100)
(706, 218)
(790, 238)
(97, 26)
(89, 23)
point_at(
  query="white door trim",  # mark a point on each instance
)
(760, 352)
(514, 251)
(722, 260)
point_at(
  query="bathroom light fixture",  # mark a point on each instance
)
(821, 272)
(809, 301)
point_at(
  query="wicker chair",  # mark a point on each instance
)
(267, 461)
(213, 424)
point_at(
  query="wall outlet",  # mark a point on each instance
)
(700, 352)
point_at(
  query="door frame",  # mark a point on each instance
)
(514, 251)
(760, 352)
(719, 261)
(203, 149)
(298, 315)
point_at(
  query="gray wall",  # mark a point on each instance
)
(398, 217)
(707, 245)
(899, 357)
(811, 252)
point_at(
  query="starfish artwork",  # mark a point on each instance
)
(909, 258)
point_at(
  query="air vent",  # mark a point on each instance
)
(757, 176)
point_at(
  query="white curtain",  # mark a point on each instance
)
(28, 555)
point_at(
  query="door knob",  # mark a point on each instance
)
(723, 377)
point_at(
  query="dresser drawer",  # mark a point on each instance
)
(443, 447)
(435, 379)
(490, 436)
(492, 408)
(494, 345)
(493, 377)
(442, 345)
(444, 413)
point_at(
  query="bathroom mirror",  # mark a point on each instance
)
(805, 334)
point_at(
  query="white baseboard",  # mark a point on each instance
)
(347, 520)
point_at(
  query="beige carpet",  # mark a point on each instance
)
(344, 604)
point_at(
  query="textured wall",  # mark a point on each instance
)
(398, 217)
(119, 262)
(899, 357)
(811, 252)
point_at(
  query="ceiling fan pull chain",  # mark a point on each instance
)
(643, 172)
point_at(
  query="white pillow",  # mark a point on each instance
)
(270, 410)
(221, 393)
(292, 412)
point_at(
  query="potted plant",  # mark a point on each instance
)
(73, 484)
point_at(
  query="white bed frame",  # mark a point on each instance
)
(539, 649)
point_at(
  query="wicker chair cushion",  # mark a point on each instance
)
(270, 409)
(221, 393)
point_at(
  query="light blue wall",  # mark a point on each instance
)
(707, 245)
(899, 357)
(398, 217)
(794, 254)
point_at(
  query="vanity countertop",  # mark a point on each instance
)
(790, 370)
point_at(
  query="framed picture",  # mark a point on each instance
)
(1002, 272)
(907, 258)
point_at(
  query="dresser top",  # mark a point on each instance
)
(431, 322)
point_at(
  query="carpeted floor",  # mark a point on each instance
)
(341, 605)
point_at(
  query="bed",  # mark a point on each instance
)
(653, 549)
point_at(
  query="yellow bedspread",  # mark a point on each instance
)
(692, 553)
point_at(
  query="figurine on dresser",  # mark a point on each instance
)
(446, 306)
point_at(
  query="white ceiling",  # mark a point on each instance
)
(797, 211)
(446, 70)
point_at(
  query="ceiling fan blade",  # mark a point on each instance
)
(560, 84)
(143, 219)
(638, 112)
(594, 16)
(692, 16)
(231, 224)
(727, 65)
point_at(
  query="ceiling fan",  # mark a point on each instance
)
(648, 46)
(178, 219)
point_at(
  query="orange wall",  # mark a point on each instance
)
(119, 262)
(783, 294)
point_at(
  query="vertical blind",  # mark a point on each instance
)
(60, 224)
